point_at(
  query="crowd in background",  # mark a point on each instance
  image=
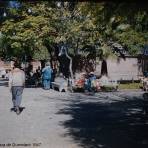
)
(43, 77)
(34, 77)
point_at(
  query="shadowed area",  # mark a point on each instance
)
(95, 124)
(3, 82)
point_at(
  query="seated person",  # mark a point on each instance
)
(79, 83)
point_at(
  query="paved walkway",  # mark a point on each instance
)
(38, 123)
(62, 120)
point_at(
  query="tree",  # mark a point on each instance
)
(87, 29)
(27, 31)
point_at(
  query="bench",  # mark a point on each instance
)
(60, 83)
(112, 84)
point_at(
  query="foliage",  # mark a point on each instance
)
(26, 34)
(78, 25)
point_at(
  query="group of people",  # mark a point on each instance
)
(33, 77)
(39, 77)
(87, 82)
(17, 80)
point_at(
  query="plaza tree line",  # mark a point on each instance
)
(86, 30)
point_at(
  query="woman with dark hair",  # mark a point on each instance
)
(16, 85)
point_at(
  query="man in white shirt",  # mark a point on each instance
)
(16, 85)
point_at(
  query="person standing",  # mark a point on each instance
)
(90, 83)
(47, 76)
(16, 85)
(38, 73)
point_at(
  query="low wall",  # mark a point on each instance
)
(128, 69)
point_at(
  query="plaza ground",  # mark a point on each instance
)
(74, 120)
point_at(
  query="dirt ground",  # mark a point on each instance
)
(74, 120)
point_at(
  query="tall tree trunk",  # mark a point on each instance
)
(70, 64)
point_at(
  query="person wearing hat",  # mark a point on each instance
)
(46, 76)
(90, 83)
(16, 85)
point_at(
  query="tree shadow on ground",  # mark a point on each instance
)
(119, 124)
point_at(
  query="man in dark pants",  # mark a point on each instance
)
(16, 85)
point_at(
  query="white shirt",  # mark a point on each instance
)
(17, 78)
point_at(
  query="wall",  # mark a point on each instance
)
(128, 69)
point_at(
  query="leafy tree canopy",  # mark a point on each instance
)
(78, 24)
